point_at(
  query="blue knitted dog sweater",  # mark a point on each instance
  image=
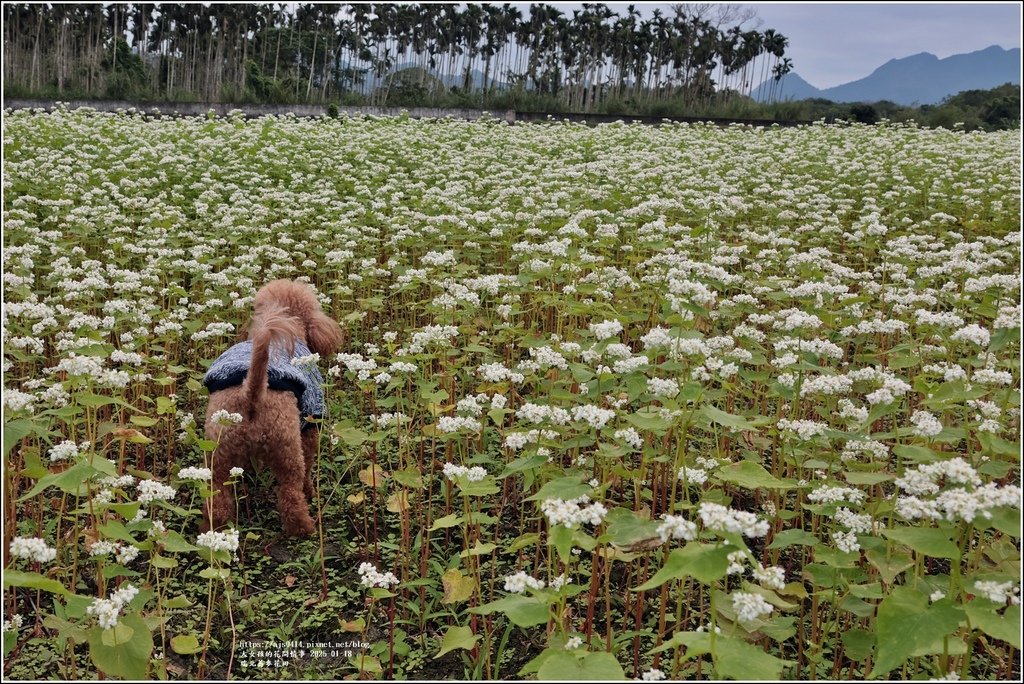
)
(305, 383)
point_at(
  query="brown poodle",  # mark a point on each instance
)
(258, 380)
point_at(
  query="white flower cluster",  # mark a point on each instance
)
(676, 527)
(431, 335)
(924, 478)
(474, 474)
(219, 541)
(925, 424)
(450, 424)
(998, 592)
(826, 494)
(846, 542)
(573, 512)
(538, 413)
(718, 517)
(520, 582)
(964, 496)
(355, 363)
(192, 473)
(225, 417)
(33, 549)
(385, 420)
(855, 522)
(151, 490)
(370, 577)
(772, 576)
(66, 450)
(749, 606)
(518, 440)
(107, 611)
(630, 436)
(496, 372)
(973, 333)
(806, 429)
(560, 582)
(573, 643)
(692, 476)
(653, 675)
(605, 329)
(662, 387)
(306, 361)
(875, 450)
(594, 416)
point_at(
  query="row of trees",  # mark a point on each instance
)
(310, 52)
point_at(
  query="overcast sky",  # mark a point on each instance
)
(835, 43)
(832, 44)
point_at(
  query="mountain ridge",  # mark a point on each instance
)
(921, 78)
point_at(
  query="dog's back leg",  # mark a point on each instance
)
(310, 446)
(230, 452)
(288, 464)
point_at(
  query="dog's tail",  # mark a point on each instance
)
(273, 328)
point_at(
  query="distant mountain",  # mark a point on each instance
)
(915, 80)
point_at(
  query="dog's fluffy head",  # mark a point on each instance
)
(323, 335)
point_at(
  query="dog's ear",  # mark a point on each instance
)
(323, 335)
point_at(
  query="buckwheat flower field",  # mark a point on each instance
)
(676, 401)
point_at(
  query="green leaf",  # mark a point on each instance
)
(566, 488)
(185, 644)
(15, 431)
(930, 541)
(1004, 627)
(736, 659)
(706, 563)
(907, 623)
(484, 487)
(173, 541)
(793, 537)
(889, 565)
(350, 435)
(858, 644)
(561, 537)
(73, 480)
(124, 660)
(523, 541)
(177, 602)
(998, 445)
(572, 666)
(523, 611)
(457, 637)
(696, 643)
(408, 477)
(523, 463)
(916, 454)
(114, 529)
(1006, 520)
(626, 527)
(647, 419)
(446, 522)
(457, 587)
(750, 475)
(143, 421)
(163, 562)
(214, 573)
(65, 629)
(33, 580)
(730, 420)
